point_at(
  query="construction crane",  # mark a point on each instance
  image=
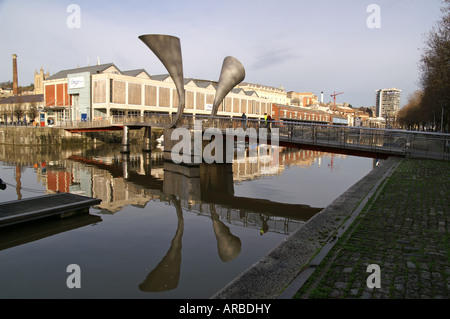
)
(334, 97)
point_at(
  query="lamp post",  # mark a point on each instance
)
(443, 102)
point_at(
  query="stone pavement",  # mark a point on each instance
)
(281, 272)
(404, 230)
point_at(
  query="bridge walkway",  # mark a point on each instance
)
(360, 141)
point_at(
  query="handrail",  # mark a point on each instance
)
(375, 139)
(119, 119)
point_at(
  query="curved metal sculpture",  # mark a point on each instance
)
(168, 50)
(232, 73)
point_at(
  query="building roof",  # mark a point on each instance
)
(301, 109)
(345, 109)
(135, 72)
(300, 93)
(261, 86)
(23, 99)
(251, 93)
(387, 90)
(159, 77)
(205, 83)
(237, 90)
(92, 69)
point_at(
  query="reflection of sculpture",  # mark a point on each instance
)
(165, 276)
(167, 48)
(228, 245)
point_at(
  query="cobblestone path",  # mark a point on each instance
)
(404, 230)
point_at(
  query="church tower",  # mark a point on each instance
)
(39, 81)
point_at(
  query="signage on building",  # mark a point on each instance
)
(76, 83)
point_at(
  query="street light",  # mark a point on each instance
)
(443, 102)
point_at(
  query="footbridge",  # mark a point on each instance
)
(359, 141)
(377, 143)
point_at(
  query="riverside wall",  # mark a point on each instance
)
(35, 136)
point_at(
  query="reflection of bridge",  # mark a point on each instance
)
(204, 184)
(359, 141)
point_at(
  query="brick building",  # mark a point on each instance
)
(300, 114)
(102, 91)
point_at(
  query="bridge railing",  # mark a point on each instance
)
(423, 144)
(396, 142)
(103, 122)
(154, 118)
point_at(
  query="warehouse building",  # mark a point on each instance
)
(102, 91)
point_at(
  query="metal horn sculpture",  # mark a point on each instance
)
(232, 73)
(168, 50)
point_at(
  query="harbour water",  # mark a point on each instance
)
(161, 230)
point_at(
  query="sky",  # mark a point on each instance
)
(347, 46)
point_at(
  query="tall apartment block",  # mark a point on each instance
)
(387, 102)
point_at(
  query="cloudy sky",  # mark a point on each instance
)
(322, 45)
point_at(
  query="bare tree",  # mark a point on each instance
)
(32, 112)
(4, 114)
(19, 110)
(411, 115)
(435, 70)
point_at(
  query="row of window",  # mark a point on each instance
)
(304, 116)
(121, 92)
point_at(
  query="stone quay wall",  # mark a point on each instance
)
(32, 136)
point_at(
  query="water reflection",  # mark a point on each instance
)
(123, 179)
(136, 179)
(166, 274)
(228, 245)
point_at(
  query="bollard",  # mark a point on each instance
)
(125, 140)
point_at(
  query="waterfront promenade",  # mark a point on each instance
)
(404, 229)
(397, 217)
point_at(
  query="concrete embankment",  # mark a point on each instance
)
(22, 135)
(38, 136)
(273, 274)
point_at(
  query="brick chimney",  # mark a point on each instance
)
(15, 80)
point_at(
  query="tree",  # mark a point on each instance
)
(435, 71)
(3, 114)
(18, 110)
(411, 116)
(6, 85)
(32, 112)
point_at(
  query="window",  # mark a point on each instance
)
(134, 94)
(150, 95)
(189, 99)
(200, 101)
(164, 97)
(99, 91)
(119, 91)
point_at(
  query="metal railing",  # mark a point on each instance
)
(395, 142)
(80, 124)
